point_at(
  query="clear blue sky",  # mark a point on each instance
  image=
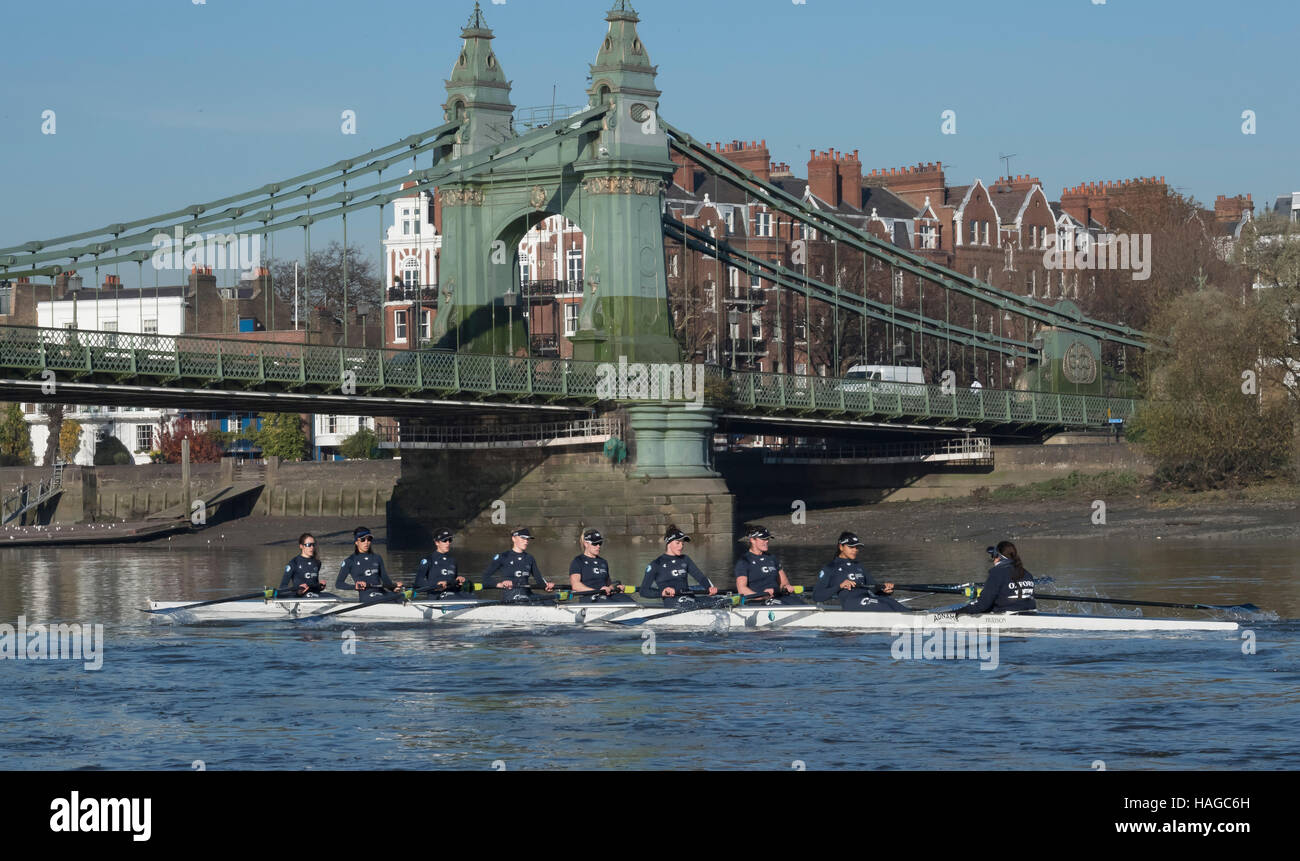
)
(164, 103)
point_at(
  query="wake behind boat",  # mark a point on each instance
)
(609, 616)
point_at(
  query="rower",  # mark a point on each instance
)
(302, 574)
(511, 571)
(760, 573)
(438, 572)
(845, 578)
(1009, 587)
(666, 577)
(589, 573)
(365, 569)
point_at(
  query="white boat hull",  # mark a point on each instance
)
(602, 615)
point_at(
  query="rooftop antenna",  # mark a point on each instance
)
(1006, 163)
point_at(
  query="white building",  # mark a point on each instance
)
(159, 311)
(411, 243)
(331, 431)
(136, 427)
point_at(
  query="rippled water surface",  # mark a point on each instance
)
(270, 696)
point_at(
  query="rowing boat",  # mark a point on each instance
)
(586, 614)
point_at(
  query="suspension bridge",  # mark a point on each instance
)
(605, 169)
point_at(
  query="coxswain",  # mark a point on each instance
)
(365, 569)
(759, 574)
(438, 572)
(513, 570)
(845, 579)
(589, 573)
(1009, 587)
(302, 574)
(666, 577)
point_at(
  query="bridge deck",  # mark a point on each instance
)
(190, 371)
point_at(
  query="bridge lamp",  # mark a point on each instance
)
(509, 299)
(363, 311)
(75, 283)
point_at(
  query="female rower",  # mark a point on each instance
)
(1009, 588)
(438, 571)
(589, 572)
(514, 571)
(364, 568)
(302, 574)
(844, 578)
(759, 573)
(666, 577)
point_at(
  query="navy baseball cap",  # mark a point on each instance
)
(521, 532)
(442, 535)
(848, 539)
(361, 532)
(594, 536)
(676, 535)
(758, 532)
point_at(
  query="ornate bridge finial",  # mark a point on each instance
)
(476, 21)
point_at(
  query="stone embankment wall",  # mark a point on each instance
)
(555, 494)
(764, 489)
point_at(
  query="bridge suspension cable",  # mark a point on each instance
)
(923, 268)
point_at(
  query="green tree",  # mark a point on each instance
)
(282, 436)
(107, 452)
(54, 428)
(69, 440)
(1215, 413)
(15, 438)
(362, 445)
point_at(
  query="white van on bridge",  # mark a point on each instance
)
(890, 379)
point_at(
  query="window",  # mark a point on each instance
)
(733, 279)
(109, 326)
(331, 424)
(898, 285)
(574, 266)
(406, 227)
(525, 270)
(929, 236)
(570, 319)
(399, 325)
(756, 325)
(149, 326)
(144, 437)
(731, 220)
(755, 283)
(411, 273)
(763, 225)
(426, 323)
(5, 293)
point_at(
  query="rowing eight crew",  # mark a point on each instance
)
(758, 573)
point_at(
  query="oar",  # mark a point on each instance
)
(642, 620)
(1247, 608)
(741, 600)
(616, 589)
(268, 594)
(403, 596)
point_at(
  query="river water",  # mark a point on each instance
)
(268, 696)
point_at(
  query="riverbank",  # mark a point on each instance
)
(1257, 514)
(1064, 508)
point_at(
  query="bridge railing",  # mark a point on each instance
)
(784, 392)
(83, 354)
